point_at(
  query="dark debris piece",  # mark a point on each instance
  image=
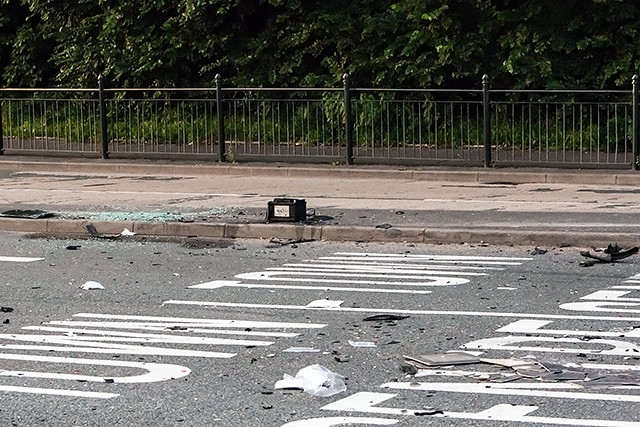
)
(430, 411)
(610, 254)
(384, 226)
(94, 232)
(276, 242)
(27, 213)
(384, 318)
(6, 309)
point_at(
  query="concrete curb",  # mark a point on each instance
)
(515, 176)
(172, 230)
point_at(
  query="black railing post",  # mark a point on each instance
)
(486, 108)
(635, 165)
(348, 120)
(103, 118)
(1, 133)
(222, 149)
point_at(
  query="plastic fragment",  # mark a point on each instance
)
(315, 380)
(91, 285)
(127, 232)
(362, 344)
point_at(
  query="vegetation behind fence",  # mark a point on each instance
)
(422, 126)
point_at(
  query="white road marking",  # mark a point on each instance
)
(171, 321)
(356, 271)
(276, 275)
(513, 389)
(57, 392)
(401, 311)
(216, 284)
(365, 401)
(414, 257)
(144, 338)
(102, 348)
(155, 371)
(133, 334)
(339, 421)
(514, 343)
(608, 295)
(18, 259)
(189, 328)
(423, 261)
(405, 265)
(605, 306)
(530, 326)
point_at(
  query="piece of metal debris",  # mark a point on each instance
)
(445, 359)
(611, 253)
(27, 213)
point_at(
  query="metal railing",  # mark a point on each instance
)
(473, 127)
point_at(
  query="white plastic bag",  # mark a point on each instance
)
(315, 380)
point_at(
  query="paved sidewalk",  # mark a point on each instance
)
(168, 199)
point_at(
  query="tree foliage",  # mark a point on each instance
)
(381, 43)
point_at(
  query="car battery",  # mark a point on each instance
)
(287, 210)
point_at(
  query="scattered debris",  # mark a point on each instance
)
(276, 242)
(91, 285)
(6, 309)
(384, 226)
(94, 232)
(73, 247)
(524, 368)
(538, 251)
(384, 318)
(611, 253)
(324, 303)
(177, 328)
(362, 344)
(315, 380)
(27, 213)
(341, 358)
(429, 360)
(408, 368)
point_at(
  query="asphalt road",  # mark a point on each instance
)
(197, 332)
